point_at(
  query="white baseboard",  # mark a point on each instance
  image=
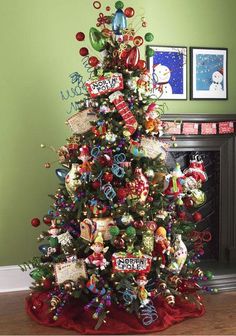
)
(13, 279)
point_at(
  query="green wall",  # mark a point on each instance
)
(38, 52)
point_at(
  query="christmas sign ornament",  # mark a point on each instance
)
(152, 148)
(70, 271)
(80, 122)
(131, 263)
(105, 84)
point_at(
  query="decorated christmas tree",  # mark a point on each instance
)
(120, 250)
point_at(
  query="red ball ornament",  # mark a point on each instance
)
(93, 61)
(188, 202)
(122, 193)
(83, 51)
(80, 36)
(119, 243)
(108, 8)
(141, 64)
(35, 222)
(138, 224)
(197, 216)
(138, 41)
(47, 220)
(96, 184)
(129, 12)
(182, 215)
(47, 283)
(108, 177)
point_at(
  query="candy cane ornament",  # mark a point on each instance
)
(131, 123)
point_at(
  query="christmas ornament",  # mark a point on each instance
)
(198, 197)
(197, 216)
(104, 84)
(119, 243)
(127, 218)
(196, 169)
(170, 299)
(119, 22)
(97, 40)
(107, 177)
(80, 36)
(142, 292)
(131, 263)
(72, 181)
(97, 257)
(180, 254)
(61, 174)
(72, 271)
(130, 122)
(149, 37)
(83, 51)
(174, 183)
(35, 222)
(47, 219)
(132, 58)
(80, 122)
(162, 246)
(139, 187)
(129, 12)
(148, 242)
(93, 61)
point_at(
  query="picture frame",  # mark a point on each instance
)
(208, 73)
(168, 69)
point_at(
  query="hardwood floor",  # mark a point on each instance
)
(220, 318)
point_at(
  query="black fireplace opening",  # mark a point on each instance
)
(210, 209)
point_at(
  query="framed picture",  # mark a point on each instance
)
(168, 71)
(208, 73)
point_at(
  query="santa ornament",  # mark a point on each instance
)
(173, 186)
(196, 169)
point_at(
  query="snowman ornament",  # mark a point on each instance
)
(162, 87)
(217, 79)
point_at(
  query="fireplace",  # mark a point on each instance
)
(219, 212)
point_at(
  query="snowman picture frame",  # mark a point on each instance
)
(208, 73)
(168, 69)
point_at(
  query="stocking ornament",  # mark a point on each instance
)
(130, 122)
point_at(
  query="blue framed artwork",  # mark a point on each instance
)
(208, 73)
(168, 71)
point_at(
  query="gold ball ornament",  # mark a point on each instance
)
(162, 286)
(198, 272)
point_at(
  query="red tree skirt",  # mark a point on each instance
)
(119, 321)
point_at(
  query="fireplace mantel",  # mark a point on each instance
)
(226, 145)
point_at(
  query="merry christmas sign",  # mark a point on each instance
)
(131, 263)
(80, 122)
(105, 84)
(72, 270)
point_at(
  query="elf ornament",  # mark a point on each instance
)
(173, 186)
(131, 124)
(142, 292)
(162, 246)
(97, 257)
(152, 124)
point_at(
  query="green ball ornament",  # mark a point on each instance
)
(37, 274)
(130, 231)
(114, 231)
(150, 52)
(119, 5)
(149, 37)
(209, 275)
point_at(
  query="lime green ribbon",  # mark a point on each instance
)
(174, 181)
